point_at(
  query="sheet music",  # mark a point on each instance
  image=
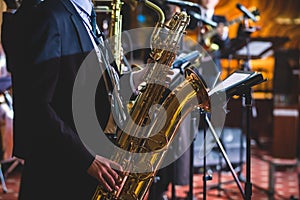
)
(256, 48)
(231, 80)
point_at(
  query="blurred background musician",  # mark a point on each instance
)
(218, 41)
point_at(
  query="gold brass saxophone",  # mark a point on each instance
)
(115, 28)
(115, 31)
(144, 131)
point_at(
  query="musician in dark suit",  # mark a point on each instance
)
(47, 44)
(220, 40)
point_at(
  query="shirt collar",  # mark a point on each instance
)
(86, 5)
(209, 12)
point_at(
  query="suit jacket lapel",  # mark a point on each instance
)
(85, 41)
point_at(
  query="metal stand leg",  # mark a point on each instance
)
(248, 184)
(191, 179)
(173, 190)
(203, 115)
(2, 180)
(271, 181)
(15, 163)
(193, 135)
(213, 132)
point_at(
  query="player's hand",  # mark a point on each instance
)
(104, 170)
(222, 30)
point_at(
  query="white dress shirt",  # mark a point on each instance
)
(208, 14)
(84, 8)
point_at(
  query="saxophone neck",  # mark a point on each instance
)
(157, 9)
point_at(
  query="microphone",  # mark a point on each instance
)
(246, 12)
(200, 18)
(186, 58)
(183, 3)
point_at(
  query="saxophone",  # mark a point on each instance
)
(144, 131)
(115, 31)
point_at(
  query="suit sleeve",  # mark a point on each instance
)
(222, 42)
(45, 72)
(7, 30)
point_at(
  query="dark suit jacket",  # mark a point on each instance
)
(217, 19)
(217, 39)
(50, 42)
(223, 44)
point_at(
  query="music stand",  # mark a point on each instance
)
(251, 48)
(258, 47)
(238, 83)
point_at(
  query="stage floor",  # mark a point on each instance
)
(286, 183)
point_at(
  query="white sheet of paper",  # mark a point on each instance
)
(256, 48)
(229, 81)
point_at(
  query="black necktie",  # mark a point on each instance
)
(94, 25)
(93, 21)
